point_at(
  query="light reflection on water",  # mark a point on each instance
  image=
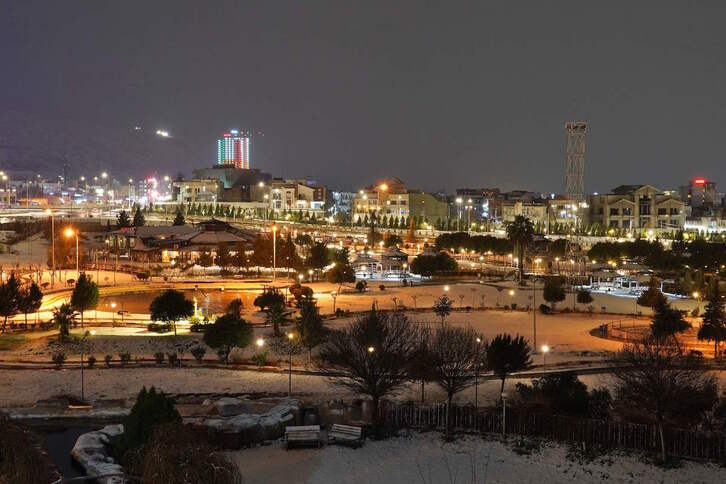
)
(212, 301)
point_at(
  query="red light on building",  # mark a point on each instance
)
(699, 181)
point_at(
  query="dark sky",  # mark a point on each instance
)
(440, 94)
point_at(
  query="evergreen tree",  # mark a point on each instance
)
(123, 220)
(713, 327)
(667, 321)
(179, 218)
(139, 221)
(85, 295)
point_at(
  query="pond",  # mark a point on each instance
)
(212, 301)
(59, 442)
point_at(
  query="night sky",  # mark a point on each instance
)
(440, 94)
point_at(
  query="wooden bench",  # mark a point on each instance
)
(302, 436)
(346, 435)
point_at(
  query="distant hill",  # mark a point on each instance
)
(30, 143)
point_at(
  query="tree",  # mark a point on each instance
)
(151, 409)
(9, 296)
(456, 355)
(309, 325)
(713, 326)
(342, 272)
(428, 265)
(224, 256)
(319, 256)
(85, 295)
(179, 218)
(558, 394)
(227, 332)
(268, 297)
(30, 299)
(123, 220)
(506, 355)
(584, 297)
(235, 307)
(553, 291)
(372, 356)
(64, 317)
(139, 220)
(276, 315)
(420, 367)
(170, 306)
(443, 307)
(520, 233)
(652, 297)
(205, 258)
(657, 382)
(392, 240)
(667, 321)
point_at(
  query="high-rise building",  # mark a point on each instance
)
(233, 149)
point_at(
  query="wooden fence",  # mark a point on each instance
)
(688, 444)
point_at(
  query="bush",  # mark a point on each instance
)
(159, 357)
(360, 286)
(125, 358)
(190, 459)
(108, 359)
(198, 353)
(514, 306)
(173, 359)
(382, 287)
(259, 359)
(544, 309)
(58, 358)
(21, 461)
(151, 409)
(91, 361)
(159, 327)
(197, 327)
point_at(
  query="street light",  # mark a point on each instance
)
(69, 232)
(52, 243)
(260, 342)
(697, 296)
(545, 350)
(290, 337)
(83, 341)
(274, 252)
(446, 288)
(371, 349)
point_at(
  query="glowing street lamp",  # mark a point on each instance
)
(290, 338)
(371, 349)
(260, 342)
(83, 341)
(274, 252)
(69, 232)
(545, 349)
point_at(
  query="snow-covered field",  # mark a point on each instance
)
(424, 458)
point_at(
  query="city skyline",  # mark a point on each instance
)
(347, 93)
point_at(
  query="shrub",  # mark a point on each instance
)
(91, 361)
(514, 306)
(159, 357)
(159, 327)
(544, 309)
(58, 358)
(125, 358)
(197, 327)
(259, 359)
(382, 287)
(222, 354)
(360, 286)
(108, 359)
(20, 458)
(151, 409)
(198, 353)
(173, 358)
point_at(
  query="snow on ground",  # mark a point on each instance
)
(425, 458)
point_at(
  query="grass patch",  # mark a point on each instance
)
(10, 341)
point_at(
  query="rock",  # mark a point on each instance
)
(207, 402)
(246, 429)
(92, 451)
(227, 406)
(60, 404)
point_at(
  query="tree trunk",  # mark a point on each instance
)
(662, 442)
(5, 322)
(521, 262)
(374, 415)
(448, 416)
(422, 391)
(501, 390)
(81, 319)
(174, 323)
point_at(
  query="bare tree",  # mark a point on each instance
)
(456, 354)
(372, 355)
(660, 383)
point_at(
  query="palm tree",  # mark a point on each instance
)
(520, 233)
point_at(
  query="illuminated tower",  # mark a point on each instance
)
(575, 162)
(233, 149)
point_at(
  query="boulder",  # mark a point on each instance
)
(93, 452)
(228, 406)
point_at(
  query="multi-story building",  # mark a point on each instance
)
(291, 195)
(198, 190)
(699, 192)
(473, 203)
(233, 149)
(392, 198)
(342, 202)
(534, 210)
(638, 208)
(566, 212)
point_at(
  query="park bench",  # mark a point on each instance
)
(302, 436)
(346, 435)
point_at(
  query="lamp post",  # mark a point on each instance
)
(476, 379)
(534, 312)
(504, 413)
(52, 243)
(274, 252)
(83, 341)
(545, 350)
(697, 296)
(458, 214)
(290, 337)
(69, 232)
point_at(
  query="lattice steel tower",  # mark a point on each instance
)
(575, 162)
